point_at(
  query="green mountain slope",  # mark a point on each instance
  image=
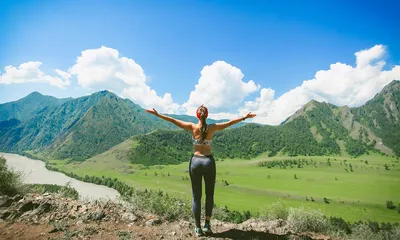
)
(79, 128)
(173, 147)
(382, 116)
(315, 129)
(83, 127)
(26, 107)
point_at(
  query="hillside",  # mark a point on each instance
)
(382, 116)
(80, 128)
(75, 129)
(316, 129)
(26, 107)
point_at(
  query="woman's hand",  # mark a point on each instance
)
(250, 115)
(154, 112)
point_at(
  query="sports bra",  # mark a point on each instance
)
(198, 141)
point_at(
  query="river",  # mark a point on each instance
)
(34, 171)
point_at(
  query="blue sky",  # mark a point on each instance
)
(277, 44)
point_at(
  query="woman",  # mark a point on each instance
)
(202, 162)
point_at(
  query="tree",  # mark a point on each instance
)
(386, 166)
(295, 177)
(390, 205)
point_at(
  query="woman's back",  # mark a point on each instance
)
(200, 146)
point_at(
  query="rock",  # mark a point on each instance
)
(5, 213)
(96, 215)
(27, 206)
(16, 198)
(128, 217)
(46, 194)
(79, 223)
(5, 201)
(185, 224)
(38, 198)
(172, 233)
(153, 222)
(83, 208)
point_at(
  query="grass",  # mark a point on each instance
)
(357, 195)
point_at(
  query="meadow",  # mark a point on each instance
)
(359, 192)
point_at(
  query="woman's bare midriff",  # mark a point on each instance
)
(202, 150)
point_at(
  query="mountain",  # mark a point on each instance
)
(26, 107)
(317, 128)
(79, 128)
(382, 116)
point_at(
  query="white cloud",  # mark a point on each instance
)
(63, 74)
(30, 72)
(341, 85)
(103, 68)
(221, 88)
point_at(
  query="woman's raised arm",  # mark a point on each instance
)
(179, 123)
(221, 126)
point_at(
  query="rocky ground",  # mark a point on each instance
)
(49, 216)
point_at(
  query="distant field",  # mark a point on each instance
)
(357, 195)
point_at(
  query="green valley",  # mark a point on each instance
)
(342, 160)
(359, 192)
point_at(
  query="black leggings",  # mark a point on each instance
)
(200, 166)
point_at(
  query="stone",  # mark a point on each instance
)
(27, 206)
(97, 215)
(5, 201)
(5, 213)
(185, 224)
(153, 222)
(16, 198)
(128, 217)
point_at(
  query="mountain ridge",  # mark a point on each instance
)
(82, 127)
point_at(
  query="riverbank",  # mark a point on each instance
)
(34, 171)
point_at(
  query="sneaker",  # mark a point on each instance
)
(198, 232)
(207, 229)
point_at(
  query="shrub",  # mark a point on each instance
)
(274, 211)
(390, 205)
(10, 180)
(364, 231)
(160, 203)
(339, 226)
(65, 191)
(226, 215)
(302, 219)
(69, 192)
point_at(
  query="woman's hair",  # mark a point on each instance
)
(202, 114)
